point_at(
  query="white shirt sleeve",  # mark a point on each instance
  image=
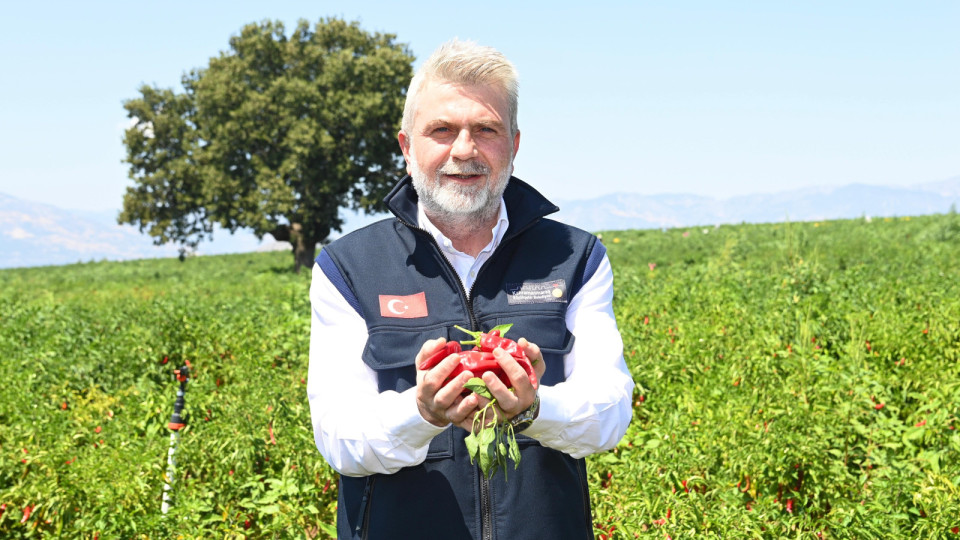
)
(358, 430)
(590, 411)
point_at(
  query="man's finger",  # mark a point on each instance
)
(463, 409)
(436, 375)
(523, 391)
(535, 355)
(428, 348)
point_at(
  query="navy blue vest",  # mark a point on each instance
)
(528, 281)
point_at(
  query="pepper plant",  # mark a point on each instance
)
(794, 380)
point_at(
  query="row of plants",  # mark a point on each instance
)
(794, 380)
(90, 353)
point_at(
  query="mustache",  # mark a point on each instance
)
(465, 168)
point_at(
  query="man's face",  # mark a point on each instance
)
(460, 151)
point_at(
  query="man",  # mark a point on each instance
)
(469, 246)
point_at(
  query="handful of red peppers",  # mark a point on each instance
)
(490, 442)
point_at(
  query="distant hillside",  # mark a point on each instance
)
(34, 234)
(621, 211)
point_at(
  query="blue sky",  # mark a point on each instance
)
(709, 98)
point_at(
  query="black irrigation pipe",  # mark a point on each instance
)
(177, 422)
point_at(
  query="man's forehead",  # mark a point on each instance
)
(441, 97)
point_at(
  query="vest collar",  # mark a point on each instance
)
(524, 203)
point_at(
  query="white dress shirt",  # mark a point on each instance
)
(361, 431)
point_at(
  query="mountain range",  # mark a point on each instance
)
(634, 211)
(36, 234)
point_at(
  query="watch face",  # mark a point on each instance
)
(524, 419)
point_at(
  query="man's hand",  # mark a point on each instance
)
(511, 403)
(442, 404)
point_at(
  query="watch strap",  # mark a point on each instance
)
(523, 420)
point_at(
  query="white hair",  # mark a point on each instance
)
(465, 62)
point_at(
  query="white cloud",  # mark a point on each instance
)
(18, 233)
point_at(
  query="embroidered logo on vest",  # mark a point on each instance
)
(537, 293)
(403, 307)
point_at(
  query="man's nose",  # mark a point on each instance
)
(464, 146)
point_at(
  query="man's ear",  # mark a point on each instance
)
(516, 143)
(404, 141)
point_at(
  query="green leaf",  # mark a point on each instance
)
(328, 529)
(269, 509)
(477, 385)
(913, 433)
(503, 328)
(514, 450)
(473, 446)
(488, 436)
(486, 459)
(270, 497)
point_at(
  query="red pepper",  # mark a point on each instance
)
(488, 341)
(478, 363)
(452, 347)
(481, 360)
(528, 368)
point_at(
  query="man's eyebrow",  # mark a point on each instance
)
(496, 124)
(433, 124)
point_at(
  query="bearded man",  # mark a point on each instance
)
(469, 245)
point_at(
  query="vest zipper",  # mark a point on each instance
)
(486, 497)
(363, 527)
(486, 508)
(464, 293)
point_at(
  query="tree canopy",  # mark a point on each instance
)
(276, 135)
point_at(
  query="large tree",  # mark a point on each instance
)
(276, 135)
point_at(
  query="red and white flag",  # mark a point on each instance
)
(403, 307)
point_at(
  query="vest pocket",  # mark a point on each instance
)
(441, 447)
(547, 330)
(392, 347)
(392, 352)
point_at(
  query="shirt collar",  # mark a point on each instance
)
(499, 229)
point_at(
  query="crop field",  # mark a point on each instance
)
(794, 380)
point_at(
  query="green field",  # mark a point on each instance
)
(794, 380)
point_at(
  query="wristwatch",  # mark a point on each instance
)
(523, 420)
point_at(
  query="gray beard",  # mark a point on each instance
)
(453, 205)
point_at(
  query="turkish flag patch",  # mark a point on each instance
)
(403, 307)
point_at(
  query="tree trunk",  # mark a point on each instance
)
(303, 245)
(304, 248)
